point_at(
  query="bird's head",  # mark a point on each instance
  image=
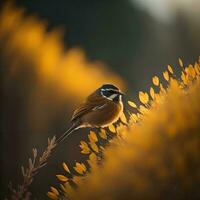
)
(110, 92)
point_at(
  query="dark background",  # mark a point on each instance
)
(128, 39)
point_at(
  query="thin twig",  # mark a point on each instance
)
(35, 164)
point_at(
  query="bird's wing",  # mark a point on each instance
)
(99, 107)
(91, 104)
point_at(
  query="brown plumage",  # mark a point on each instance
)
(100, 109)
(97, 111)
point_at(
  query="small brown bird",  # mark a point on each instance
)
(100, 109)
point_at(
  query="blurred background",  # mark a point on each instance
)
(54, 53)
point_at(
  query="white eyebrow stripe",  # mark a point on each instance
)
(110, 90)
(113, 96)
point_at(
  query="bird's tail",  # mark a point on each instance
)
(67, 133)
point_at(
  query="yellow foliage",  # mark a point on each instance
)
(92, 136)
(132, 104)
(80, 168)
(197, 69)
(143, 109)
(133, 118)
(183, 77)
(144, 97)
(65, 167)
(62, 178)
(94, 146)
(77, 180)
(166, 75)
(152, 93)
(180, 62)
(54, 190)
(155, 80)
(85, 148)
(92, 159)
(112, 128)
(52, 195)
(123, 118)
(161, 148)
(63, 188)
(170, 69)
(162, 89)
(66, 188)
(190, 71)
(102, 134)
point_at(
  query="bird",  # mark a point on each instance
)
(100, 109)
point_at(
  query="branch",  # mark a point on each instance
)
(35, 164)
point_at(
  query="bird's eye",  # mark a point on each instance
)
(109, 93)
(106, 93)
(112, 92)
